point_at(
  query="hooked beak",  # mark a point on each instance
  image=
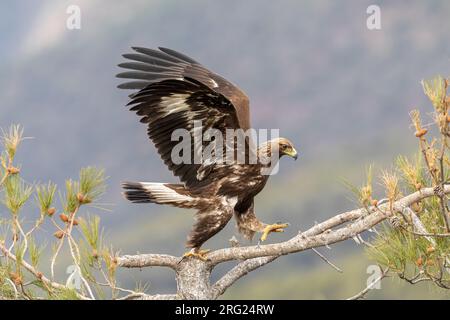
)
(293, 154)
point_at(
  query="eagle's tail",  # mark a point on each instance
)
(161, 193)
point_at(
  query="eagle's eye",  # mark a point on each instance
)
(284, 146)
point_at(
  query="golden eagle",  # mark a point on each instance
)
(173, 92)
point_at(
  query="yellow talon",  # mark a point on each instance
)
(273, 228)
(200, 254)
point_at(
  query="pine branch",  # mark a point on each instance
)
(254, 257)
(47, 282)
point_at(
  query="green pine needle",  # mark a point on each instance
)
(44, 196)
(16, 193)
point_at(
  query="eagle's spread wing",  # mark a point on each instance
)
(175, 91)
(151, 66)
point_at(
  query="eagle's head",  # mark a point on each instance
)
(285, 147)
(280, 146)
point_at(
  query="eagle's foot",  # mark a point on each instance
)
(199, 254)
(273, 228)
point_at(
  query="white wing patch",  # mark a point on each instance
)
(215, 84)
(174, 103)
(164, 194)
(226, 201)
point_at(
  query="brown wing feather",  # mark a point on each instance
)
(176, 104)
(149, 66)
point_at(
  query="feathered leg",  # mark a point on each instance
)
(248, 224)
(209, 221)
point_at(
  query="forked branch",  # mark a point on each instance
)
(338, 228)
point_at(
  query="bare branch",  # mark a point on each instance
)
(363, 292)
(437, 235)
(250, 265)
(148, 260)
(314, 238)
(331, 264)
(238, 272)
(334, 222)
(143, 296)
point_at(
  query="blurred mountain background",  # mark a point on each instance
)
(312, 69)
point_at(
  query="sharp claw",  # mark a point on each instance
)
(278, 227)
(263, 237)
(201, 254)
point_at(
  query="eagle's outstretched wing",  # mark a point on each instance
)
(151, 66)
(175, 91)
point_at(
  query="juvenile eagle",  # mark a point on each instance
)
(173, 92)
